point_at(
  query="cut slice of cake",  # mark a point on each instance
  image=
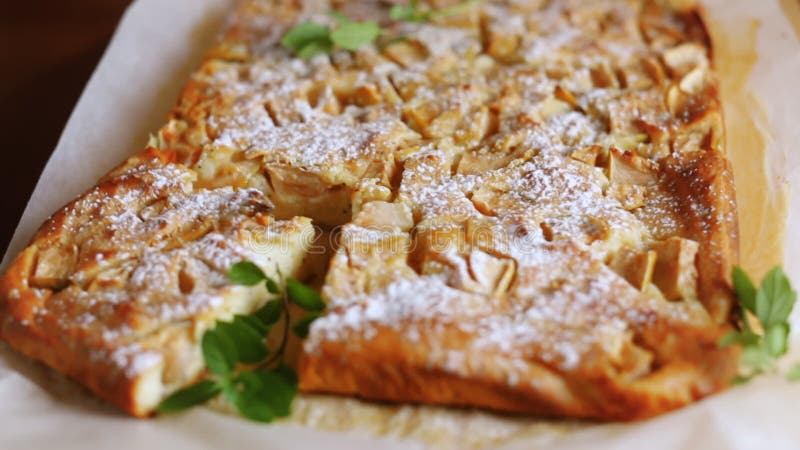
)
(523, 289)
(116, 289)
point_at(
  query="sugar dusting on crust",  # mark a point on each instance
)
(591, 309)
(563, 90)
(126, 284)
(315, 143)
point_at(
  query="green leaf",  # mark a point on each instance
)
(277, 391)
(339, 17)
(776, 339)
(249, 342)
(219, 352)
(775, 298)
(354, 35)
(288, 374)
(408, 13)
(315, 48)
(303, 296)
(302, 326)
(255, 323)
(265, 395)
(756, 357)
(230, 391)
(742, 379)
(736, 337)
(246, 274)
(270, 313)
(272, 286)
(304, 34)
(254, 408)
(794, 373)
(455, 9)
(194, 395)
(745, 289)
(728, 340)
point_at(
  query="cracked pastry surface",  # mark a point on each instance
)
(534, 210)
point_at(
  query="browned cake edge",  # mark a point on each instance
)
(18, 303)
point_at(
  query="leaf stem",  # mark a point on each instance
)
(278, 356)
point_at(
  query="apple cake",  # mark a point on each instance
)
(530, 200)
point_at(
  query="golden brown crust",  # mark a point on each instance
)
(386, 368)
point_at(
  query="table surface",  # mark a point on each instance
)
(49, 49)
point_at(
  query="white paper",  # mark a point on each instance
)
(155, 48)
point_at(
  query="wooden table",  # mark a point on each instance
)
(48, 50)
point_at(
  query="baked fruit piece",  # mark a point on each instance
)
(116, 289)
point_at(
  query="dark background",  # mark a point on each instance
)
(48, 50)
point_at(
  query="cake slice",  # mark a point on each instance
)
(116, 289)
(523, 289)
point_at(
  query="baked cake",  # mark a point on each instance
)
(531, 206)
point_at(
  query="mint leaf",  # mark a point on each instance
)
(288, 374)
(264, 395)
(252, 406)
(272, 286)
(757, 358)
(258, 394)
(742, 379)
(354, 35)
(219, 352)
(339, 17)
(249, 341)
(315, 48)
(230, 391)
(455, 9)
(273, 388)
(408, 13)
(794, 373)
(255, 323)
(413, 12)
(246, 274)
(776, 339)
(728, 340)
(270, 313)
(302, 326)
(745, 289)
(736, 337)
(279, 392)
(196, 394)
(774, 299)
(772, 304)
(303, 296)
(305, 34)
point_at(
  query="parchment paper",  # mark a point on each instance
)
(155, 48)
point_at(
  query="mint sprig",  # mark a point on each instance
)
(416, 12)
(310, 39)
(771, 304)
(239, 365)
(412, 12)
